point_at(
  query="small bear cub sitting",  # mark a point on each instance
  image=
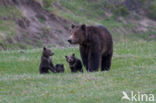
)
(74, 63)
(46, 62)
(59, 68)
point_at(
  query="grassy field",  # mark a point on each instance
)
(133, 65)
(133, 69)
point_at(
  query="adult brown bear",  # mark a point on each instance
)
(96, 46)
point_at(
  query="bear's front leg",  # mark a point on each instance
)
(51, 67)
(94, 59)
(84, 56)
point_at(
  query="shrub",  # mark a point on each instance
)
(151, 11)
(121, 11)
(47, 3)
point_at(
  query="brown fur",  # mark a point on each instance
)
(59, 68)
(96, 46)
(46, 62)
(74, 63)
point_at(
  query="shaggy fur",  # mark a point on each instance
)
(46, 62)
(96, 46)
(74, 63)
(59, 68)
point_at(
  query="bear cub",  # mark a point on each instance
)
(46, 62)
(74, 63)
(59, 68)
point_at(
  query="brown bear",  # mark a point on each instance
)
(74, 63)
(46, 62)
(59, 68)
(95, 44)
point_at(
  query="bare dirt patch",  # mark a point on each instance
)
(37, 26)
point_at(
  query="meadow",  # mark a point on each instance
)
(133, 69)
(133, 64)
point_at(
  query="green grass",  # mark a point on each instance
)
(7, 31)
(78, 11)
(9, 12)
(90, 12)
(133, 64)
(133, 69)
(94, 13)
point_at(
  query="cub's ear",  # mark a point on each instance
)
(83, 27)
(66, 57)
(73, 55)
(72, 26)
(44, 48)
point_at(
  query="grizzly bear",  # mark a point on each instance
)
(95, 45)
(74, 63)
(46, 62)
(59, 68)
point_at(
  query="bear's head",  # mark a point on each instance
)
(47, 52)
(70, 59)
(59, 67)
(78, 34)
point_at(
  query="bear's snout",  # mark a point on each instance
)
(52, 53)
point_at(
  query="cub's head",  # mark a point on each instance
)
(59, 66)
(77, 34)
(70, 59)
(47, 52)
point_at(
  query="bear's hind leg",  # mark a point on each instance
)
(44, 71)
(106, 62)
(94, 61)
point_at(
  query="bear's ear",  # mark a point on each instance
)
(72, 26)
(73, 55)
(44, 48)
(83, 27)
(66, 57)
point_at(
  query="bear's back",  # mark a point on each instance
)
(101, 35)
(99, 29)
